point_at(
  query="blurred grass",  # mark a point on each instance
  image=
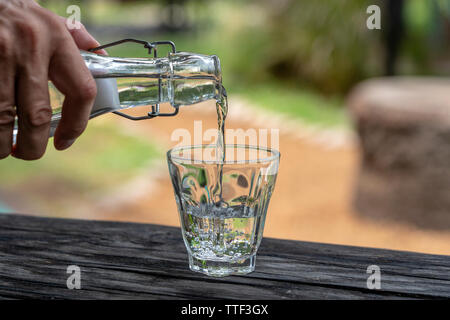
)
(102, 158)
(298, 103)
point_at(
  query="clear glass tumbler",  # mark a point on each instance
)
(222, 203)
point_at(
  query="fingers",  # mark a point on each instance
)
(33, 111)
(31, 91)
(7, 101)
(23, 86)
(31, 40)
(84, 40)
(70, 75)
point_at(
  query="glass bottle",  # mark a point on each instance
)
(181, 78)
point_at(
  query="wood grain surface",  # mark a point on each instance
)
(143, 261)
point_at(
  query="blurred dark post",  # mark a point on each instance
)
(441, 26)
(394, 27)
(176, 17)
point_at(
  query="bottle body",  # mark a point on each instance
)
(179, 79)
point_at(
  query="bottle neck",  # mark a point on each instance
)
(180, 79)
(181, 65)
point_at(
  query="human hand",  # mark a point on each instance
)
(36, 46)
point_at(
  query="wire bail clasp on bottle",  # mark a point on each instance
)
(151, 46)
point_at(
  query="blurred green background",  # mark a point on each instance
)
(299, 58)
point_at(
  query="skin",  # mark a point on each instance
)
(36, 46)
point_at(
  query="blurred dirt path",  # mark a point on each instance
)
(312, 197)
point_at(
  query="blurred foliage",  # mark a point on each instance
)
(324, 45)
(418, 16)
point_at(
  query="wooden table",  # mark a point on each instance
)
(143, 261)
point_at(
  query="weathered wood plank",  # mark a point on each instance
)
(130, 261)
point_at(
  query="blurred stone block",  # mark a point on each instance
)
(404, 130)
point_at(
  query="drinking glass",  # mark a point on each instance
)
(222, 203)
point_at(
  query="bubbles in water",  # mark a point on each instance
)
(222, 234)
